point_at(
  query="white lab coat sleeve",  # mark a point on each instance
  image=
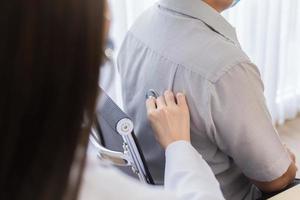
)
(188, 175)
(102, 181)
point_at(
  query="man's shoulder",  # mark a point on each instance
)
(211, 58)
(187, 42)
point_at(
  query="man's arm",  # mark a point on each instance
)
(243, 129)
(279, 183)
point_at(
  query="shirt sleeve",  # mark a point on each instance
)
(242, 126)
(188, 175)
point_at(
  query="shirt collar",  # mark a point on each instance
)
(202, 11)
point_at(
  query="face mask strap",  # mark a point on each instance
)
(235, 2)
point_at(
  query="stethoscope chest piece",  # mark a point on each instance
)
(152, 93)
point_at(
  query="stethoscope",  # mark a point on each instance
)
(152, 93)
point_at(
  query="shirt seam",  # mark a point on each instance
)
(166, 57)
(229, 68)
(213, 80)
(208, 115)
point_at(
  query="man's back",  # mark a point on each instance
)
(170, 48)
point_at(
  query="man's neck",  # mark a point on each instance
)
(219, 7)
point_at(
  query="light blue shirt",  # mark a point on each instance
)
(186, 46)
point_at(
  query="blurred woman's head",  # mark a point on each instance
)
(50, 53)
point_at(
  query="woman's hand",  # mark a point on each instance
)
(169, 117)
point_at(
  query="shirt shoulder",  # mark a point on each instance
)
(187, 42)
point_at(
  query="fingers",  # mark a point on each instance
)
(181, 100)
(169, 98)
(160, 102)
(292, 155)
(150, 104)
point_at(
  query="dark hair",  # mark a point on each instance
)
(50, 53)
